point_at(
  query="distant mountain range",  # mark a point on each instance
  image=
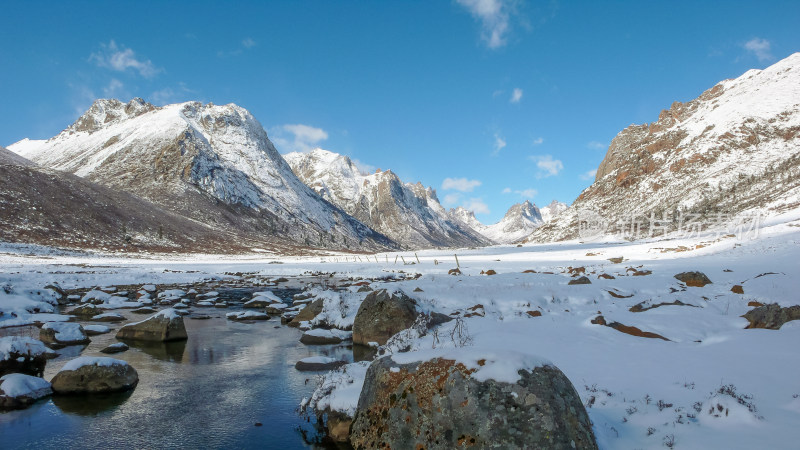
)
(519, 222)
(410, 214)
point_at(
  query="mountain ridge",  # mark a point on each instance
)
(214, 164)
(731, 150)
(408, 213)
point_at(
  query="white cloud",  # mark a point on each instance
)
(248, 43)
(494, 16)
(547, 165)
(451, 199)
(476, 205)
(162, 97)
(538, 141)
(297, 137)
(119, 58)
(115, 89)
(168, 95)
(524, 193)
(589, 175)
(460, 184)
(527, 193)
(516, 95)
(595, 145)
(760, 48)
(499, 144)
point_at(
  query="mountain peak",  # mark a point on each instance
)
(109, 111)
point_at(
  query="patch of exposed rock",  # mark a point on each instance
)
(442, 404)
(382, 315)
(771, 316)
(694, 279)
(165, 326)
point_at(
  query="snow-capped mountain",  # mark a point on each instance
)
(734, 149)
(552, 210)
(211, 163)
(410, 214)
(519, 222)
(467, 217)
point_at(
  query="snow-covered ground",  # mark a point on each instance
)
(711, 383)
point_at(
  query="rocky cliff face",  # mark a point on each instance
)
(407, 213)
(734, 149)
(211, 163)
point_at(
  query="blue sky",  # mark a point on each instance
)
(488, 101)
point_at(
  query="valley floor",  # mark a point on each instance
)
(710, 383)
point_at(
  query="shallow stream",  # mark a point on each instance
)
(207, 392)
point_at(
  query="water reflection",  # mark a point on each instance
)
(206, 392)
(163, 351)
(91, 405)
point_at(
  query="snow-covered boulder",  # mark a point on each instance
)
(318, 363)
(321, 337)
(246, 315)
(108, 317)
(95, 297)
(307, 313)
(91, 375)
(94, 330)
(262, 300)
(119, 347)
(63, 333)
(19, 390)
(165, 326)
(23, 354)
(86, 310)
(277, 308)
(468, 397)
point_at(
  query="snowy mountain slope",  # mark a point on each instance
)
(407, 213)
(212, 163)
(734, 149)
(40, 206)
(552, 210)
(467, 217)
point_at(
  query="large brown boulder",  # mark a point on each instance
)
(307, 313)
(382, 315)
(95, 375)
(26, 355)
(165, 326)
(771, 316)
(440, 403)
(696, 279)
